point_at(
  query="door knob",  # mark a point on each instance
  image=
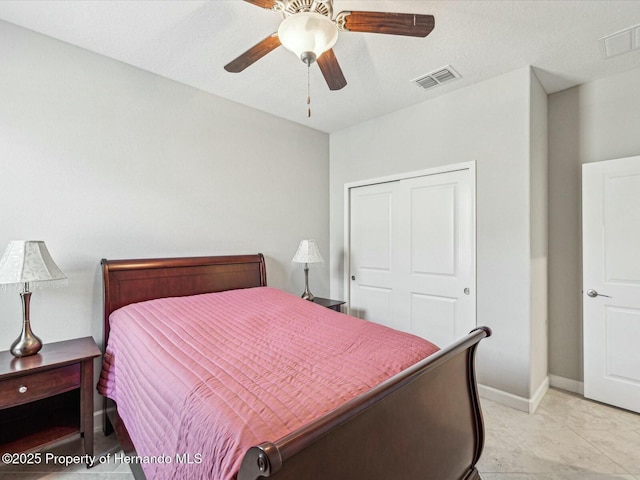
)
(353, 277)
(593, 294)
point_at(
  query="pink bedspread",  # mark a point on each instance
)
(199, 380)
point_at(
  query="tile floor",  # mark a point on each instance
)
(568, 438)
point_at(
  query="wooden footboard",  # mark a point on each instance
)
(424, 423)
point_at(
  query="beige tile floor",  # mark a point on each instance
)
(568, 438)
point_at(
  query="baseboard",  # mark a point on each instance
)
(567, 384)
(539, 395)
(523, 404)
(503, 398)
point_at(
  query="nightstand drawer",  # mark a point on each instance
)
(16, 391)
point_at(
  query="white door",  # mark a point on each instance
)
(412, 254)
(374, 254)
(611, 281)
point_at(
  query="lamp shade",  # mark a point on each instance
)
(308, 32)
(308, 252)
(29, 261)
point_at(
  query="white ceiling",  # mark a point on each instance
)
(191, 41)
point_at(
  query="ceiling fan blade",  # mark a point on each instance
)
(268, 4)
(254, 54)
(331, 70)
(413, 25)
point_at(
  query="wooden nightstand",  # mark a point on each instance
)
(47, 396)
(327, 302)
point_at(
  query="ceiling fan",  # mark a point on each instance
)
(310, 31)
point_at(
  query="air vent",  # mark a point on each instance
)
(621, 42)
(438, 77)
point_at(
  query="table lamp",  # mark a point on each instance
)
(307, 253)
(27, 263)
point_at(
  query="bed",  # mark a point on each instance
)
(422, 422)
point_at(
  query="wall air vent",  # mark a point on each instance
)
(437, 77)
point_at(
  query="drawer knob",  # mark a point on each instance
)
(22, 389)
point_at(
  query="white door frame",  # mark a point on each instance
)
(471, 166)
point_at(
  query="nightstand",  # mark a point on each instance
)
(327, 302)
(48, 396)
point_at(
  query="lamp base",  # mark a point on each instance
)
(307, 295)
(27, 343)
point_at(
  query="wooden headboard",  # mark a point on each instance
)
(131, 281)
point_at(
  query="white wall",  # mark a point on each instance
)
(489, 123)
(539, 238)
(100, 159)
(596, 121)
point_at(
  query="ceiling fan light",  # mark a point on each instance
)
(308, 32)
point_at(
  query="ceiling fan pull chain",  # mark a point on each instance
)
(308, 91)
